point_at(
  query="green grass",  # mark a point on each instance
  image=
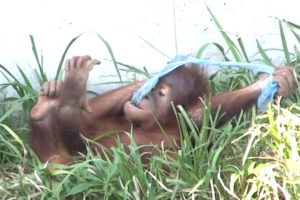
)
(254, 156)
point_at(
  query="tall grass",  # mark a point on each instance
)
(254, 156)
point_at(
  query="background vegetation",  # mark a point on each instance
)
(255, 156)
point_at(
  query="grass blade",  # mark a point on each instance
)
(241, 43)
(131, 68)
(42, 76)
(228, 41)
(205, 46)
(284, 44)
(29, 87)
(59, 69)
(111, 55)
(262, 52)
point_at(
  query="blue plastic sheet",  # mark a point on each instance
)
(268, 88)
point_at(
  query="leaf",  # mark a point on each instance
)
(227, 39)
(205, 46)
(263, 54)
(112, 56)
(284, 44)
(58, 71)
(42, 75)
(81, 188)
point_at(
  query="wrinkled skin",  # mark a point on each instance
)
(63, 110)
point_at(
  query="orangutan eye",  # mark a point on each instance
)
(161, 94)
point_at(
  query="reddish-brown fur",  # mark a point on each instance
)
(63, 111)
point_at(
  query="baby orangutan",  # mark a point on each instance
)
(64, 112)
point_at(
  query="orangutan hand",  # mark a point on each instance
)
(285, 77)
